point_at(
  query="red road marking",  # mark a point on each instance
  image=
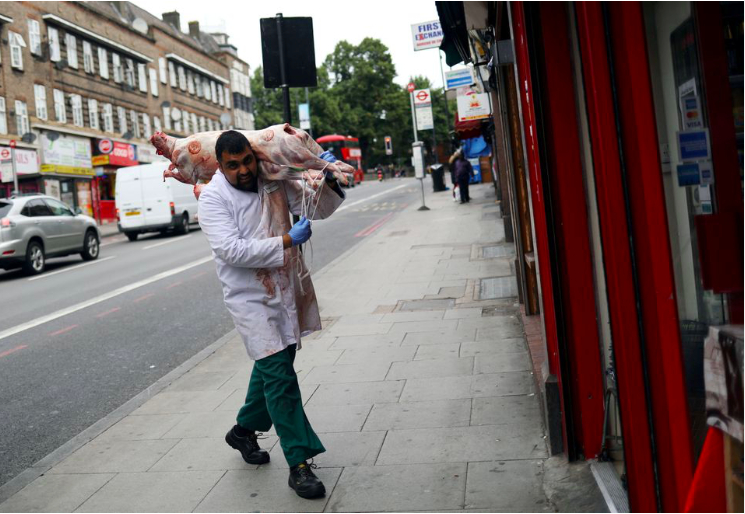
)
(144, 297)
(174, 285)
(8, 352)
(108, 312)
(66, 329)
(375, 226)
(198, 275)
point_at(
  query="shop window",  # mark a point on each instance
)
(60, 112)
(22, 126)
(40, 97)
(71, 45)
(54, 46)
(103, 63)
(34, 37)
(17, 44)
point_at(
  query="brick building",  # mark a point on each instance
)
(83, 85)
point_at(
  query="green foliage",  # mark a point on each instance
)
(356, 96)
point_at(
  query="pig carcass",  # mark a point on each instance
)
(284, 151)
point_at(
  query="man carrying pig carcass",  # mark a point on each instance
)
(268, 292)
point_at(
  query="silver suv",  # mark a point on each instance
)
(35, 227)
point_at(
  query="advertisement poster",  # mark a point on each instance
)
(473, 106)
(27, 163)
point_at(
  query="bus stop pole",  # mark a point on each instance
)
(283, 71)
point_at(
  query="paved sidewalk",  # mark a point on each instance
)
(421, 391)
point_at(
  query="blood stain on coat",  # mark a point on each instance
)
(265, 277)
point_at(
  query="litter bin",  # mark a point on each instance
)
(438, 178)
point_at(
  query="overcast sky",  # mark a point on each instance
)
(389, 21)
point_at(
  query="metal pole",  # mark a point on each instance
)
(283, 72)
(413, 116)
(15, 172)
(445, 96)
(307, 101)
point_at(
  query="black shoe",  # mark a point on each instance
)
(248, 446)
(305, 483)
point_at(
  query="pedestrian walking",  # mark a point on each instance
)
(463, 174)
(271, 305)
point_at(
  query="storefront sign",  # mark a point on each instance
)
(114, 153)
(147, 154)
(65, 152)
(427, 35)
(459, 78)
(693, 145)
(688, 174)
(473, 106)
(67, 170)
(27, 163)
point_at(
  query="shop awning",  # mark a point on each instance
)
(455, 36)
(467, 129)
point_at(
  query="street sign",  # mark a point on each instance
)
(422, 97)
(459, 78)
(388, 145)
(304, 112)
(5, 154)
(424, 118)
(427, 35)
(411, 87)
(12, 143)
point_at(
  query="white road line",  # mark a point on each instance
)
(173, 240)
(45, 275)
(370, 197)
(93, 301)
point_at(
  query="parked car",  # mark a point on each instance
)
(36, 227)
(147, 203)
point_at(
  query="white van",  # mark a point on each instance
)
(144, 203)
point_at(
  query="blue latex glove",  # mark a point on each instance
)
(300, 231)
(329, 157)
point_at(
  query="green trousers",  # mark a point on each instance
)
(274, 398)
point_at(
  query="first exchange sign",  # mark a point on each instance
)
(427, 35)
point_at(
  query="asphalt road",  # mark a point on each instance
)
(83, 338)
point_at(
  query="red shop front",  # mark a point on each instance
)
(108, 156)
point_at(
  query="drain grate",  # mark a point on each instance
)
(491, 252)
(500, 287)
(427, 305)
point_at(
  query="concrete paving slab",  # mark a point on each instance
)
(498, 333)
(207, 381)
(400, 488)
(236, 400)
(207, 453)
(306, 360)
(478, 348)
(359, 330)
(431, 368)
(463, 313)
(436, 351)
(373, 372)
(56, 493)
(337, 418)
(374, 341)
(504, 410)
(504, 362)
(439, 337)
(506, 486)
(343, 449)
(115, 457)
(452, 388)
(432, 414)
(203, 424)
(153, 492)
(177, 402)
(239, 380)
(471, 444)
(135, 428)
(491, 322)
(264, 490)
(377, 354)
(397, 317)
(354, 393)
(436, 326)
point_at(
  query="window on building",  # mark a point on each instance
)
(129, 73)
(40, 97)
(3, 119)
(177, 125)
(202, 124)
(147, 130)
(181, 78)
(93, 113)
(167, 117)
(190, 81)
(186, 122)
(116, 63)
(220, 97)
(153, 81)
(172, 74)
(163, 70)
(194, 124)
(227, 98)
(71, 45)
(103, 63)
(88, 63)
(234, 80)
(108, 117)
(77, 110)
(142, 77)
(213, 91)
(207, 91)
(135, 120)
(156, 124)
(34, 37)
(17, 44)
(60, 111)
(121, 115)
(198, 86)
(21, 118)
(54, 48)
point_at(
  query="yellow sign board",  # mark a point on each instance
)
(67, 170)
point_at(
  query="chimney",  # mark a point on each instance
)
(194, 29)
(173, 18)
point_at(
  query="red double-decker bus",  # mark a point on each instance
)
(345, 148)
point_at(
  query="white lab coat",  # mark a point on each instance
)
(261, 281)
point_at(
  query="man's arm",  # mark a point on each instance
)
(218, 225)
(329, 199)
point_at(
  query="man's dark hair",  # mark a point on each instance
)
(231, 141)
